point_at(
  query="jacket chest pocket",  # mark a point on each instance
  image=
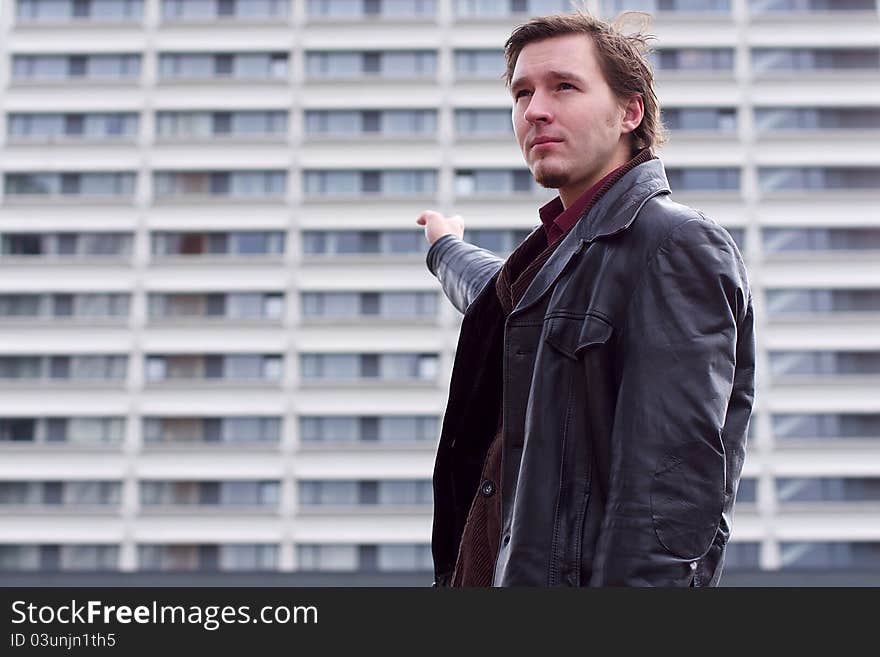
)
(570, 336)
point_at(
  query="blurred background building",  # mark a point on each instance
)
(221, 355)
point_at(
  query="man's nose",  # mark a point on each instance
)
(539, 109)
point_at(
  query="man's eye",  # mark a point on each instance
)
(522, 93)
(565, 85)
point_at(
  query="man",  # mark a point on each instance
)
(604, 377)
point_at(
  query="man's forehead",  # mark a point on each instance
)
(566, 56)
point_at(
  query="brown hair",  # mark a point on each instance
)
(622, 59)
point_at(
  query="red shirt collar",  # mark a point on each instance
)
(558, 220)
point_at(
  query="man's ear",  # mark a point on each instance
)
(633, 112)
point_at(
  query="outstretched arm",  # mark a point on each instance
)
(462, 269)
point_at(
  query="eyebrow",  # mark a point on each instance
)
(553, 74)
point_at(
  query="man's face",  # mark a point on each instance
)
(568, 122)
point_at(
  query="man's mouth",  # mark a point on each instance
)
(543, 143)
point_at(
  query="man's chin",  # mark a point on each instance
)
(551, 179)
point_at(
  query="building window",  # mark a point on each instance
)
(390, 9)
(761, 7)
(743, 555)
(63, 368)
(225, 367)
(59, 306)
(509, 8)
(404, 557)
(210, 10)
(74, 184)
(208, 125)
(18, 430)
(47, 558)
(327, 557)
(252, 493)
(388, 64)
(68, 11)
(821, 301)
(483, 123)
(700, 119)
(775, 179)
(225, 184)
(414, 182)
(218, 66)
(827, 489)
(768, 60)
(829, 554)
(826, 426)
(692, 59)
(74, 430)
(614, 7)
(738, 235)
(365, 242)
(480, 64)
(704, 179)
(364, 558)
(494, 182)
(188, 430)
(391, 492)
(66, 245)
(238, 243)
(781, 240)
(385, 305)
(122, 67)
(784, 119)
(384, 123)
(228, 305)
(60, 493)
(500, 242)
(747, 493)
(824, 363)
(386, 367)
(250, 557)
(370, 429)
(34, 126)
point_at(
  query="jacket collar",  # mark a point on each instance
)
(613, 213)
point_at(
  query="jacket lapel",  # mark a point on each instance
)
(613, 213)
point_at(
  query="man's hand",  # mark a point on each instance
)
(437, 225)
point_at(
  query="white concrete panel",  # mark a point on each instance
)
(844, 335)
(67, 465)
(76, 340)
(77, 399)
(363, 465)
(363, 527)
(401, 401)
(209, 465)
(416, 154)
(60, 527)
(834, 524)
(215, 400)
(239, 339)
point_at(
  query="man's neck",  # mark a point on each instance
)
(568, 195)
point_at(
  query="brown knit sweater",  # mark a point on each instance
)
(478, 549)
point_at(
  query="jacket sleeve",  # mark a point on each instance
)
(462, 269)
(673, 469)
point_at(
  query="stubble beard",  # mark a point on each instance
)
(549, 179)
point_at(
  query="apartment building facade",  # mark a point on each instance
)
(220, 350)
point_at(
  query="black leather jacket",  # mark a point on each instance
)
(625, 376)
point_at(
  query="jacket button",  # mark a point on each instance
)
(487, 488)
